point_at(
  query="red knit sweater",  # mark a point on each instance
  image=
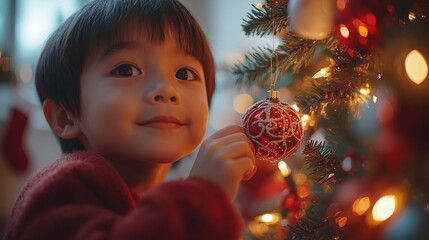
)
(80, 196)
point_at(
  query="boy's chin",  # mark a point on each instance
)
(165, 158)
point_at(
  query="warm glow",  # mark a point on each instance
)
(342, 222)
(284, 169)
(411, 16)
(295, 107)
(344, 31)
(363, 31)
(384, 208)
(364, 91)
(270, 218)
(242, 102)
(370, 19)
(300, 179)
(304, 119)
(416, 67)
(324, 72)
(361, 205)
(303, 192)
(341, 4)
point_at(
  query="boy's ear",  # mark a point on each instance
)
(59, 120)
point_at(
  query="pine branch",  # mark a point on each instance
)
(255, 68)
(338, 132)
(264, 21)
(322, 163)
(294, 54)
(343, 86)
(313, 225)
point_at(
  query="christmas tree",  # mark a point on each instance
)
(358, 71)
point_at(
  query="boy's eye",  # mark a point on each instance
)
(127, 70)
(186, 74)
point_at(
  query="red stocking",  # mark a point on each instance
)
(13, 140)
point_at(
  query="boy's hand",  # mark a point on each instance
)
(226, 158)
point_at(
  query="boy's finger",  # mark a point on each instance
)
(249, 174)
(226, 131)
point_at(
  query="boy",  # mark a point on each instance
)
(126, 85)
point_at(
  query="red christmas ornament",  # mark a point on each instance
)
(274, 128)
(359, 23)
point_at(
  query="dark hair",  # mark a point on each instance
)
(102, 23)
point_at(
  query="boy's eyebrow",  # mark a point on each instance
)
(116, 47)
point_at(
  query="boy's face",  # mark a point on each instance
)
(143, 102)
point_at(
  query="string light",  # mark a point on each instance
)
(304, 119)
(284, 169)
(344, 31)
(361, 205)
(363, 31)
(416, 66)
(295, 107)
(384, 208)
(411, 16)
(324, 72)
(270, 218)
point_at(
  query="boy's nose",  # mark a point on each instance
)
(163, 92)
(160, 98)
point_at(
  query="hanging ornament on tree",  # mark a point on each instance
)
(274, 128)
(312, 19)
(359, 23)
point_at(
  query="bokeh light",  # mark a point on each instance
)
(361, 205)
(384, 208)
(416, 66)
(242, 102)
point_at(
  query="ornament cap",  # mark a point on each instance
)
(273, 94)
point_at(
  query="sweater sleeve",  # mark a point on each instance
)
(82, 197)
(184, 209)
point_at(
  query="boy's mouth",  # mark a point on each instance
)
(162, 122)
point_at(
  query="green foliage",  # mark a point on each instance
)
(264, 21)
(322, 163)
(313, 225)
(294, 54)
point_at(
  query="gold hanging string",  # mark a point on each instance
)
(273, 67)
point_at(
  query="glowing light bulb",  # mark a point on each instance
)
(270, 218)
(364, 91)
(344, 31)
(361, 205)
(284, 169)
(295, 107)
(324, 72)
(304, 119)
(384, 208)
(363, 31)
(416, 66)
